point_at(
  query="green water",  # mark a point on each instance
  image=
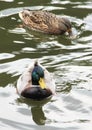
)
(69, 61)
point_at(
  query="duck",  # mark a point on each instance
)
(46, 22)
(36, 83)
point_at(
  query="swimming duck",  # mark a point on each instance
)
(36, 83)
(45, 21)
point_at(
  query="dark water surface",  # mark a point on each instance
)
(68, 59)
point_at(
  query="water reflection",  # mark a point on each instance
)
(38, 115)
(14, 124)
(36, 108)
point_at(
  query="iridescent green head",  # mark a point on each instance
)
(38, 76)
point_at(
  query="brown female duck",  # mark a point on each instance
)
(45, 21)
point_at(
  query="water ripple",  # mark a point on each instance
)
(6, 56)
(69, 60)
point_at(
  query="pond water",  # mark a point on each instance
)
(69, 60)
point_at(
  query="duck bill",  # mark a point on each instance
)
(70, 32)
(42, 83)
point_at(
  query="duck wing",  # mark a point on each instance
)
(37, 20)
(25, 80)
(50, 82)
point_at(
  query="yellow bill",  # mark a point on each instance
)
(42, 83)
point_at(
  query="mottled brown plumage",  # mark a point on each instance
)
(45, 21)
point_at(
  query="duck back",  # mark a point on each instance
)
(44, 21)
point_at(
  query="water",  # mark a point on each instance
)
(69, 60)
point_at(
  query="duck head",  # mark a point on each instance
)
(38, 76)
(65, 25)
(68, 26)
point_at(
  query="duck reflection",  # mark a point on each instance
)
(38, 115)
(37, 112)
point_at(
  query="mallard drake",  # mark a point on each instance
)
(36, 83)
(45, 21)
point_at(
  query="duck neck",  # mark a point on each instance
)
(34, 82)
